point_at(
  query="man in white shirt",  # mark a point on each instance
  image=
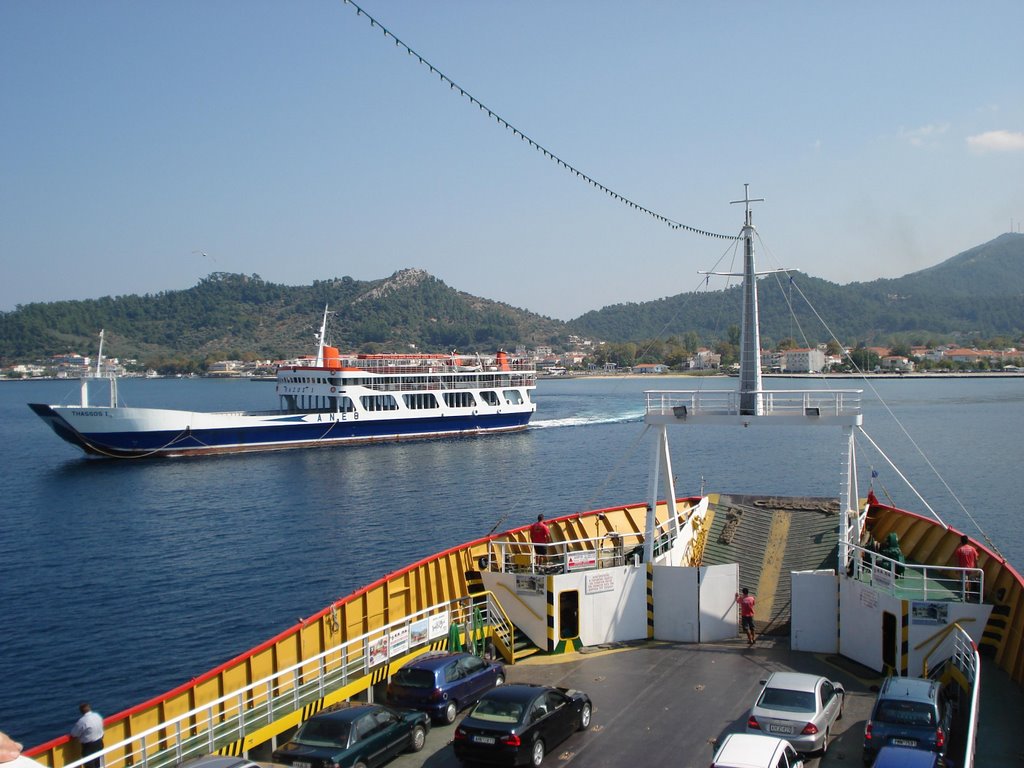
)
(89, 732)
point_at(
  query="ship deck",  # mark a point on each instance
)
(670, 703)
(667, 703)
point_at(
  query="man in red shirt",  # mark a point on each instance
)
(540, 535)
(967, 557)
(746, 603)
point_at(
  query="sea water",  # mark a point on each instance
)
(120, 580)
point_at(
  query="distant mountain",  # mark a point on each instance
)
(229, 316)
(979, 292)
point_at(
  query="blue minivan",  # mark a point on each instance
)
(441, 684)
(909, 712)
(907, 757)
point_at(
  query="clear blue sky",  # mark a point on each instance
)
(291, 140)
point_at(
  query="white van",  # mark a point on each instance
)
(745, 750)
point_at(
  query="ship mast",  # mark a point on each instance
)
(321, 340)
(751, 403)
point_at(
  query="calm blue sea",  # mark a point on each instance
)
(120, 580)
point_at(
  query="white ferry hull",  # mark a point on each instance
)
(152, 432)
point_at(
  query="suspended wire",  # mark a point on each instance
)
(491, 114)
(920, 451)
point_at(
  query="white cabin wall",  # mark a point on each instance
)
(814, 625)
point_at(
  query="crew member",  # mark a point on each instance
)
(89, 732)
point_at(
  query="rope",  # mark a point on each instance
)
(534, 144)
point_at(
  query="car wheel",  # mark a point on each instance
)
(537, 753)
(585, 717)
(499, 680)
(450, 712)
(418, 738)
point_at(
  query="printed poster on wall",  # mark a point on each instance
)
(933, 614)
(418, 632)
(438, 625)
(378, 651)
(398, 641)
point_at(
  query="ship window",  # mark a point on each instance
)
(513, 396)
(459, 399)
(345, 404)
(379, 402)
(490, 397)
(419, 400)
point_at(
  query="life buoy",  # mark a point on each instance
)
(333, 389)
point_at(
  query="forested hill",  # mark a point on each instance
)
(228, 316)
(976, 294)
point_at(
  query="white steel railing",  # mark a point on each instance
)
(914, 580)
(778, 402)
(230, 717)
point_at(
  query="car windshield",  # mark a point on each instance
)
(498, 711)
(791, 701)
(414, 678)
(323, 732)
(905, 712)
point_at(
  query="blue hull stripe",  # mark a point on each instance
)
(283, 434)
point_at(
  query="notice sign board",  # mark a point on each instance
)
(578, 561)
(599, 581)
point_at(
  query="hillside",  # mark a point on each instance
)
(978, 293)
(244, 317)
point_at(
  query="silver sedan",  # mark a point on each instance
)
(799, 708)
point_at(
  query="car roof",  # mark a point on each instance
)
(433, 660)
(519, 692)
(747, 750)
(793, 681)
(912, 688)
(345, 710)
(904, 757)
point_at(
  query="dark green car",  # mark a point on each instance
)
(354, 735)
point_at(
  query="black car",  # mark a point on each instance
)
(518, 724)
(354, 735)
(441, 684)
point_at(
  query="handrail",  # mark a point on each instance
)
(231, 716)
(882, 572)
(775, 401)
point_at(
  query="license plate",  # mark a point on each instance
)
(483, 739)
(772, 728)
(301, 764)
(904, 742)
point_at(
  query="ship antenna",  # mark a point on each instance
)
(321, 340)
(750, 336)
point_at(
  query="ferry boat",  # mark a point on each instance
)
(327, 400)
(641, 598)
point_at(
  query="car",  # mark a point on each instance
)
(907, 757)
(746, 750)
(519, 724)
(442, 684)
(222, 761)
(799, 708)
(909, 712)
(354, 735)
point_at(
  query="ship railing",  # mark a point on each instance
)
(345, 670)
(612, 549)
(777, 402)
(916, 580)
